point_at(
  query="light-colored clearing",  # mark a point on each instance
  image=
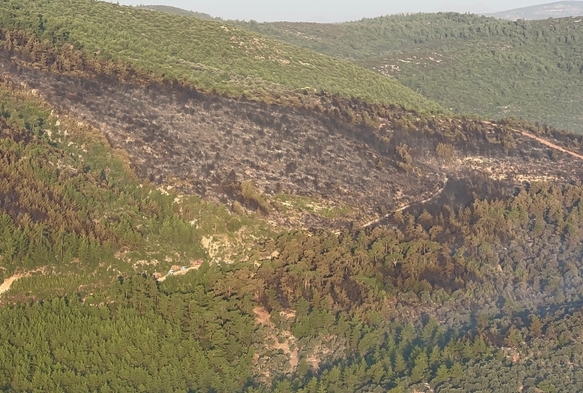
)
(262, 317)
(194, 266)
(8, 283)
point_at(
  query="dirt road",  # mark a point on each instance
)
(524, 133)
(7, 284)
(436, 194)
(550, 144)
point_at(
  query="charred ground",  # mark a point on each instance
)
(335, 153)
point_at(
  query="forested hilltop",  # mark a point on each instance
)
(161, 235)
(470, 64)
(209, 54)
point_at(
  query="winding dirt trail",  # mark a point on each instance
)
(436, 194)
(7, 284)
(522, 132)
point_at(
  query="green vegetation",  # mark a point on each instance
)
(252, 195)
(70, 203)
(436, 297)
(290, 203)
(478, 291)
(470, 64)
(211, 55)
(137, 342)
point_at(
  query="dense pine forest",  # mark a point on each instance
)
(147, 244)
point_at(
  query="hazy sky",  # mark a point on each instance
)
(331, 10)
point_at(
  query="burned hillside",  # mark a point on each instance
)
(340, 152)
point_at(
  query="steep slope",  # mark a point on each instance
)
(72, 213)
(231, 150)
(470, 64)
(208, 54)
(469, 281)
(559, 9)
(480, 277)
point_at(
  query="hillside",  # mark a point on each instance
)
(321, 242)
(559, 9)
(469, 64)
(207, 54)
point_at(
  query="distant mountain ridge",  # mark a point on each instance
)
(447, 57)
(559, 9)
(526, 69)
(177, 11)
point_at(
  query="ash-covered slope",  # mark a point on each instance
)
(232, 150)
(209, 145)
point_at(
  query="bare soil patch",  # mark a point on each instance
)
(5, 286)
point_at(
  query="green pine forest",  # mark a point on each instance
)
(210, 54)
(483, 295)
(469, 64)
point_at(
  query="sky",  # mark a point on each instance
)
(331, 10)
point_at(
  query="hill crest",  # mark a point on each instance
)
(473, 262)
(177, 11)
(209, 54)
